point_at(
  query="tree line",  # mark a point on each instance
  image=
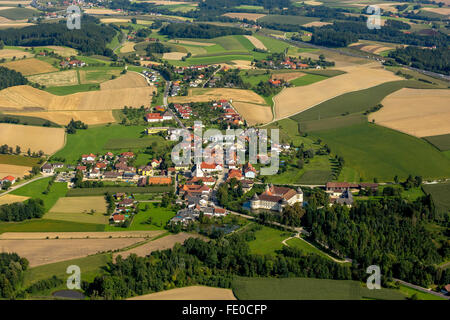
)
(200, 31)
(10, 78)
(435, 60)
(19, 211)
(12, 268)
(92, 38)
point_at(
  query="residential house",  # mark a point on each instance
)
(47, 168)
(276, 198)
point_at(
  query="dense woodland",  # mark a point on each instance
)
(201, 31)
(342, 33)
(92, 38)
(435, 60)
(10, 78)
(19, 211)
(12, 269)
(391, 233)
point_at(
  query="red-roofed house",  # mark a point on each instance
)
(210, 167)
(9, 178)
(118, 218)
(153, 117)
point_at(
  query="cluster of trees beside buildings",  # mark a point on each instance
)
(390, 233)
(201, 31)
(19, 211)
(12, 268)
(435, 60)
(92, 38)
(10, 78)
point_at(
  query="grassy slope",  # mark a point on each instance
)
(442, 142)
(18, 160)
(375, 151)
(440, 194)
(44, 225)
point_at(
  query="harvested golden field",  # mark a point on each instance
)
(64, 117)
(56, 79)
(13, 170)
(5, 24)
(193, 43)
(40, 252)
(149, 63)
(114, 20)
(418, 112)
(79, 209)
(294, 100)
(256, 42)
(243, 15)
(253, 113)
(97, 76)
(190, 293)
(316, 24)
(287, 76)
(442, 11)
(101, 11)
(80, 235)
(313, 3)
(163, 243)
(339, 59)
(173, 55)
(79, 204)
(10, 198)
(49, 140)
(29, 66)
(26, 98)
(129, 80)
(205, 95)
(372, 47)
(63, 51)
(9, 53)
(127, 47)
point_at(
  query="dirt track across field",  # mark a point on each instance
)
(79, 235)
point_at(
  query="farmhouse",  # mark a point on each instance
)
(47, 168)
(153, 117)
(10, 179)
(276, 198)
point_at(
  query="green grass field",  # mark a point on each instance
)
(420, 295)
(35, 189)
(440, 194)
(90, 267)
(101, 191)
(332, 123)
(65, 90)
(159, 217)
(19, 160)
(305, 247)
(355, 102)
(268, 240)
(442, 142)
(307, 79)
(94, 140)
(378, 152)
(31, 121)
(44, 225)
(307, 289)
(18, 13)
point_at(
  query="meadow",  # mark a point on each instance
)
(440, 195)
(96, 139)
(85, 192)
(35, 190)
(154, 218)
(305, 247)
(44, 225)
(19, 160)
(268, 240)
(307, 289)
(378, 152)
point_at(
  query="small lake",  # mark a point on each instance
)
(68, 294)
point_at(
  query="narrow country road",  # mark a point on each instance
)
(24, 184)
(422, 289)
(166, 105)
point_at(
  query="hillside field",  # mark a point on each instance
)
(440, 193)
(378, 152)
